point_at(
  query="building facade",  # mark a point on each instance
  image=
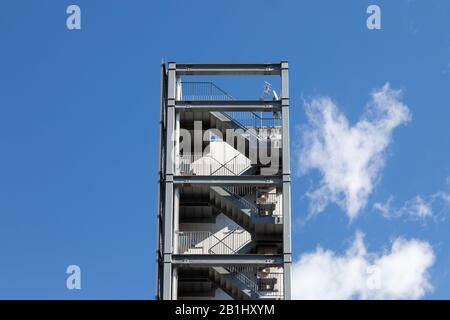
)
(224, 218)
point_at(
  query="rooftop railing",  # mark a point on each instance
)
(208, 91)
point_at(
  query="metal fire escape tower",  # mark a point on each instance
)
(224, 216)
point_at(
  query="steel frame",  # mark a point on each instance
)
(167, 259)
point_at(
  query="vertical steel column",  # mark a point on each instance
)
(286, 172)
(176, 228)
(175, 283)
(168, 211)
(176, 201)
(177, 129)
(161, 189)
(176, 219)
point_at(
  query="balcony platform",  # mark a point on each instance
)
(229, 180)
(229, 105)
(227, 259)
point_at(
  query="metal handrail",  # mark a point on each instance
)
(212, 92)
(221, 93)
(210, 157)
(211, 87)
(252, 206)
(268, 198)
(195, 240)
(242, 190)
(231, 167)
(194, 237)
(221, 241)
(243, 278)
(239, 124)
(245, 275)
(189, 239)
(206, 156)
(233, 251)
(244, 201)
(226, 163)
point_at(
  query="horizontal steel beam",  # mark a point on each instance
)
(228, 69)
(230, 105)
(227, 259)
(228, 180)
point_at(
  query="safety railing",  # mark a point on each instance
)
(207, 165)
(266, 124)
(247, 275)
(231, 243)
(202, 91)
(239, 193)
(206, 242)
(191, 241)
(263, 281)
(269, 204)
(270, 284)
(246, 203)
(266, 198)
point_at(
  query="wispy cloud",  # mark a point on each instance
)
(417, 208)
(349, 158)
(400, 273)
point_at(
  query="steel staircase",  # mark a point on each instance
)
(240, 210)
(237, 203)
(206, 242)
(242, 283)
(208, 165)
(258, 131)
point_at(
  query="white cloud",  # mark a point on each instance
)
(349, 158)
(417, 208)
(444, 196)
(401, 273)
(386, 208)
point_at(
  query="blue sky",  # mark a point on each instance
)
(79, 127)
